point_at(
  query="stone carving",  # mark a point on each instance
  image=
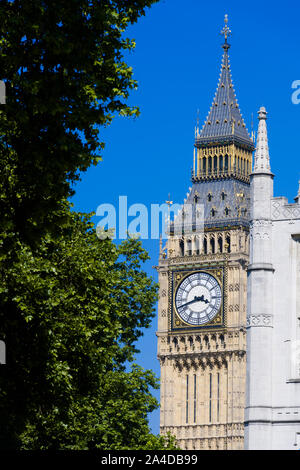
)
(260, 320)
(282, 211)
(208, 257)
(260, 224)
(260, 229)
(261, 236)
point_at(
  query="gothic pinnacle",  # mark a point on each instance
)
(262, 157)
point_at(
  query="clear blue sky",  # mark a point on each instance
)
(177, 62)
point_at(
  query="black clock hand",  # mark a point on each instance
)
(196, 299)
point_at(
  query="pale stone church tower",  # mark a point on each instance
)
(203, 283)
(272, 418)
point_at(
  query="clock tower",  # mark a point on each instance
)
(203, 285)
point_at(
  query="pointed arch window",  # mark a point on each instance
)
(212, 245)
(195, 398)
(209, 197)
(205, 246)
(228, 247)
(215, 163)
(227, 211)
(243, 165)
(209, 164)
(226, 162)
(210, 398)
(187, 400)
(204, 165)
(218, 397)
(197, 244)
(189, 247)
(220, 244)
(221, 162)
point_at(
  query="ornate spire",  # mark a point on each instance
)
(224, 123)
(262, 157)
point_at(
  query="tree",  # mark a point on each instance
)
(74, 311)
(71, 305)
(62, 62)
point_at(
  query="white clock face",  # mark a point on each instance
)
(198, 298)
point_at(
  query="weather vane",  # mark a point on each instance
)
(226, 31)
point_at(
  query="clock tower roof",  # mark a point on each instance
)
(224, 123)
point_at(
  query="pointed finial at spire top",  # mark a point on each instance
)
(226, 32)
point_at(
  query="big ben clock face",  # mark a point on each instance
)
(198, 298)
